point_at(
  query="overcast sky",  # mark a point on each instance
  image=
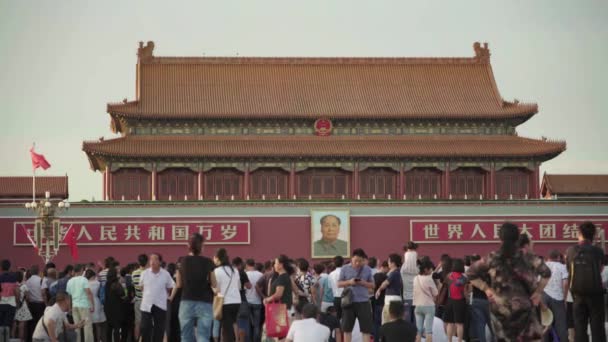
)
(62, 61)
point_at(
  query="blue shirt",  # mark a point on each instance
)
(328, 295)
(360, 292)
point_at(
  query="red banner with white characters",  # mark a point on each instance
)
(486, 230)
(145, 232)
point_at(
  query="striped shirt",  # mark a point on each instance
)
(135, 277)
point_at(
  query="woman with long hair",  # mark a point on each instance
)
(425, 292)
(228, 285)
(517, 280)
(281, 286)
(114, 307)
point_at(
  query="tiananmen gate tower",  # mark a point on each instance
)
(318, 128)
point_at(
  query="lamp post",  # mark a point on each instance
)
(47, 226)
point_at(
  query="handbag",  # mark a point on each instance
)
(218, 299)
(347, 295)
(277, 320)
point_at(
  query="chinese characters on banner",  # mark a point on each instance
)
(146, 232)
(480, 231)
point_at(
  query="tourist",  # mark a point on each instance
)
(155, 283)
(197, 280)
(98, 317)
(391, 286)
(327, 295)
(424, 292)
(397, 330)
(281, 286)
(142, 261)
(555, 293)
(9, 285)
(409, 270)
(254, 299)
(23, 315)
(456, 308)
(330, 320)
(48, 281)
(480, 308)
(115, 296)
(358, 277)
(53, 323)
(334, 277)
(127, 284)
(379, 278)
(173, 329)
(228, 284)
(524, 243)
(308, 329)
(243, 320)
(64, 278)
(440, 277)
(316, 293)
(35, 302)
(83, 303)
(515, 287)
(586, 263)
(304, 280)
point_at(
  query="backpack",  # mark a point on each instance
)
(585, 274)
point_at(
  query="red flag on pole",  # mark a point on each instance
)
(38, 160)
(70, 240)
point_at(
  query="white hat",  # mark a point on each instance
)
(546, 316)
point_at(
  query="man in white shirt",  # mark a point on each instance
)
(156, 284)
(334, 277)
(308, 329)
(82, 302)
(54, 320)
(555, 294)
(254, 299)
(35, 301)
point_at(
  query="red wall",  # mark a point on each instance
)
(270, 236)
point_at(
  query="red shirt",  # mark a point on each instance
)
(457, 281)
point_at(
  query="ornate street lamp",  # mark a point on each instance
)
(47, 227)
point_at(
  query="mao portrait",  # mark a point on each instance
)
(330, 233)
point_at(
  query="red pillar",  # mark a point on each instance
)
(246, 183)
(401, 182)
(200, 184)
(492, 182)
(535, 183)
(446, 182)
(110, 184)
(105, 184)
(355, 180)
(292, 181)
(154, 184)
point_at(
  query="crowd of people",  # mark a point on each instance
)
(510, 295)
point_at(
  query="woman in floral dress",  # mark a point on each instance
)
(23, 313)
(513, 287)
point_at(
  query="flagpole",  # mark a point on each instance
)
(33, 177)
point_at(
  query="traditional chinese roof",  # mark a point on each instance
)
(309, 88)
(432, 146)
(561, 185)
(21, 187)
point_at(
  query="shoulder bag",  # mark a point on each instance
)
(218, 299)
(347, 295)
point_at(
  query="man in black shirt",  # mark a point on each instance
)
(397, 330)
(379, 278)
(585, 265)
(480, 309)
(196, 279)
(330, 320)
